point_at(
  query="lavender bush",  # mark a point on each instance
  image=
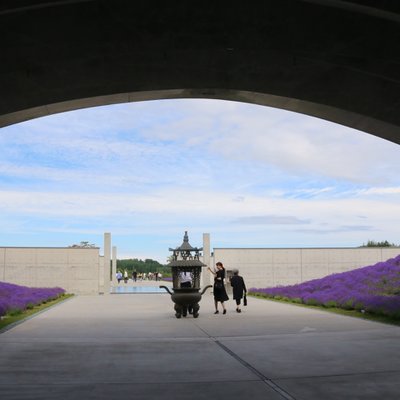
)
(374, 289)
(15, 298)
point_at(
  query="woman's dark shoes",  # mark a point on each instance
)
(216, 312)
(224, 312)
(238, 310)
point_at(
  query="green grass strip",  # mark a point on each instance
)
(350, 313)
(9, 321)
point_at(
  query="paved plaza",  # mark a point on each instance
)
(131, 346)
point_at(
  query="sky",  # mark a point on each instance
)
(250, 176)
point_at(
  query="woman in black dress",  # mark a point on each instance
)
(219, 287)
(239, 287)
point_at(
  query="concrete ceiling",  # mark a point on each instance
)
(337, 60)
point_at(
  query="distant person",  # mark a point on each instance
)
(126, 276)
(119, 277)
(134, 276)
(219, 287)
(239, 287)
(185, 279)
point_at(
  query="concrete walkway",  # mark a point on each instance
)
(132, 346)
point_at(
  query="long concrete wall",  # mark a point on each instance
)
(77, 270)
(272, 267)
(81, 271)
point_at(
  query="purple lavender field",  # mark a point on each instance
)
(14, 298)
(373, 289)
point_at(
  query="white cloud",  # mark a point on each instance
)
(270, 220)
(380, 191)
(169, 204)
(228, 131)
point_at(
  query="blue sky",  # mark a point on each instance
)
(251, 176)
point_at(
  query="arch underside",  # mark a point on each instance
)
(346, 118)
(336, 60)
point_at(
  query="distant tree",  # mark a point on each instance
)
(83, 245)
(148, 265)
(373, 243)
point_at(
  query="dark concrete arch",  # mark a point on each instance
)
(333, 59)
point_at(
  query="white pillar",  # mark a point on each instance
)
(4, 265)
(107, 259)
(205, 274)
(114, 266)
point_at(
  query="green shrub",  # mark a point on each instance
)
(14, 312)
(312, 302)
(348, 305)
(395, 315)
(330, 304)
(358, 306)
